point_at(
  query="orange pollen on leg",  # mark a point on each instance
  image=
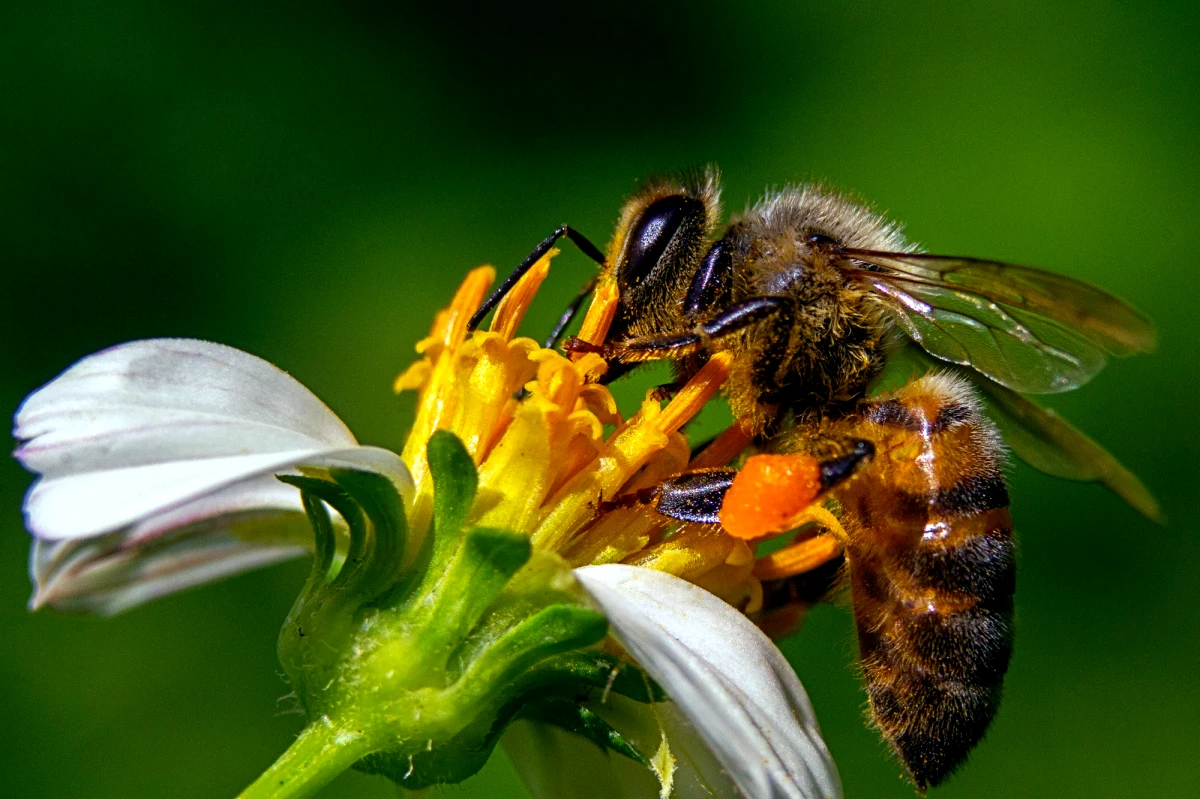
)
(768, 493)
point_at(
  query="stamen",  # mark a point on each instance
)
(512, 308)
(699, 390)
(799, 557)
(544, 465)
(434, 376)
(625, 452)
(601, 312)
(451, 324)
(449, 327)
(691, 552)
(725, 447)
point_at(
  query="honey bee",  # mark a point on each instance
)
(815, 295)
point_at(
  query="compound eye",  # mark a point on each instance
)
(818, 239)
(652, 234)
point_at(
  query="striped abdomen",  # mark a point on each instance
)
(932, 572)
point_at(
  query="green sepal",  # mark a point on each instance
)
(337, 498)
(325, 539)
(482, 565)
(314, 492)
(384, 558)
(575, 717)
(455, 482)
(493, 692)
(419, 665)
(613, 674)
(550, 631)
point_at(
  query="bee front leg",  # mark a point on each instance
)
(579, 240)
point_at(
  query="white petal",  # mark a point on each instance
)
(157, 462)
(727, 677)
(164, 399)
(98, 502)
(246, 526)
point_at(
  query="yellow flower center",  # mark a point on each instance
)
(547, 468)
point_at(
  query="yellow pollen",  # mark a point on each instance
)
(534, 421)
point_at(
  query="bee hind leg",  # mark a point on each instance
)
(694, 496)
(703, 495)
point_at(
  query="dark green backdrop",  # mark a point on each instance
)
(307, 181)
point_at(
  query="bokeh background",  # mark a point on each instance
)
(308, 181)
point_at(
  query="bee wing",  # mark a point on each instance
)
(1036, 435)
(1051, 444)
(1031, 331)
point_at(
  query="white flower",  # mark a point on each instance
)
(157, 462)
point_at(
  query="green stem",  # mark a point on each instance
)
(321, 752)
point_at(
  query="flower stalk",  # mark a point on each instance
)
(321, 752)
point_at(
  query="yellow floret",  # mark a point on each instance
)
(534, 421)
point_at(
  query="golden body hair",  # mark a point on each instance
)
(822, 355)
(931, 564)
(806, 296)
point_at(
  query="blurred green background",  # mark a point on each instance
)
(308, 181)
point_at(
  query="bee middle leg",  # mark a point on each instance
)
(569, 314)
(676, 346)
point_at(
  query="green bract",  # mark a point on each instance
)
(411, 664)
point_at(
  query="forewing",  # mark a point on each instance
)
(1032, 331)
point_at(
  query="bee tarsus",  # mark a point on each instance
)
(578, 239)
